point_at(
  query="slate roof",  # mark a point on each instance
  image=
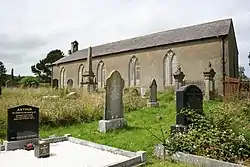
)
(184, 34)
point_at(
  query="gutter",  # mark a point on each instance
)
(223, 61)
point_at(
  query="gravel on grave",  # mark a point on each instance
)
(63, 154)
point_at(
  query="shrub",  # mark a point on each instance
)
(233, 115)
(207, 137)
(133, 100)
(29, 81)
(167, 96)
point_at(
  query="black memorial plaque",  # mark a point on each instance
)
(42, 150)
(23, 123)
(187, 97)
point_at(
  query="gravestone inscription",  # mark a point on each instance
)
(23, 123)
(187, 97)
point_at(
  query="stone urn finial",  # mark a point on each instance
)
(179, 75)
(209, 72)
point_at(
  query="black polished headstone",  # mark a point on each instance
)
(187, 97)
(0, 90)
(23, 123)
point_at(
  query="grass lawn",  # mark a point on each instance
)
(136, 137)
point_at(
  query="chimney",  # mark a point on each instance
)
(69, 52)
(74, 46)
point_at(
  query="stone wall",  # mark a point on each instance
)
(191, 56)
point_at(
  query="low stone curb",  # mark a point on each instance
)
(55, 139)
(162, 153)
(138, 157)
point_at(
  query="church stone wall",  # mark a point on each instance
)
(192, 56)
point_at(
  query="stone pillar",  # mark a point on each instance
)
(12, 74)
(89, 77)
(209, 74)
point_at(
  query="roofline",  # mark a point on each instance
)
(53, 64)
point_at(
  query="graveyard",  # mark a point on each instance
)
(219, 131)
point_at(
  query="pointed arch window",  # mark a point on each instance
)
(134, 72)
(174, 64)
(62, 77)
(80, 74)
(169, 67)
(101, 74)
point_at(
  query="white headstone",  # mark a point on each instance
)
(143, 92)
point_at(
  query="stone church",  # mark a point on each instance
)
(156, 56)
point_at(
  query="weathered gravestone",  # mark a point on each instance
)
(113, 111)
(22, 126)
(152, 102)
(187, 97)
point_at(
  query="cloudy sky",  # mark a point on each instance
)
(30, 29)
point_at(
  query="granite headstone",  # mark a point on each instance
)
(153, 94)
(187, 97)
(23, 123)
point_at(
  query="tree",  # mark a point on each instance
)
(2, 73)
(42, 69)
(242, 74)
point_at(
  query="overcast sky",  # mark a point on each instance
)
(29, 29)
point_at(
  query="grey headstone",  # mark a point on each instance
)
(153, 91)
(152, 101)
(114, 96)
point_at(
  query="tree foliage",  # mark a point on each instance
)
(242, 74)
(2, 73)
(42, 69)
(29, 81)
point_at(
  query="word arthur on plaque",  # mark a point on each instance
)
(23, 123)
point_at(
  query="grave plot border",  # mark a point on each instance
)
(134, 158)
(162, 153)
